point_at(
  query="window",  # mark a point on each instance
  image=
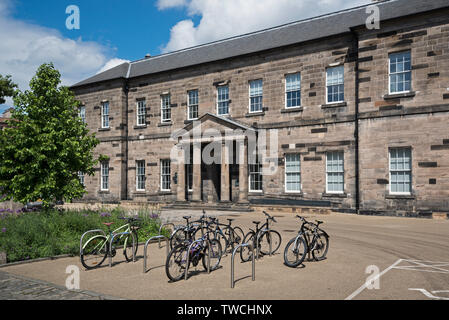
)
(293, 90)
(255, 177)
(105, 115)
(255, 96)
(223, 100)
(140, 175)
(400, 170)
(165, 175)
(82, 113)
(292, 173)
(105, 176)
(335, 84)
(81, 177)
(141, 112)
(165, 108)
(400, 72)
(192, 105)
(335, 172)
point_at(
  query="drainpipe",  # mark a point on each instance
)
(356, 122)
(125, 123)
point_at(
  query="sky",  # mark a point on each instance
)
(114, 31)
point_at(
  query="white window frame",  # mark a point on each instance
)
(404, 72)
(105, 124)
(189, 105)
(82, 113)
(165, 107)
(222, 101)
(390, 170)
(342, 172)
(141, 106)
(104, 167)
(165, 174)
(140, 175)
(259, 93)
(338, 84)
(292, 90)
(251, 175)
(285, 174)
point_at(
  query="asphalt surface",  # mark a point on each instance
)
(410, 255)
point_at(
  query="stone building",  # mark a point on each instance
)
(361, 116)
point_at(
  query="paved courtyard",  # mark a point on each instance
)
(411, 257)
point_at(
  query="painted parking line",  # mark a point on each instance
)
(411, 265)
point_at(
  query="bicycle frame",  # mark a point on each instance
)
(100, 246)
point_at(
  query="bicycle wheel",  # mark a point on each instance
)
(128, 246)
(176, 264)
(295, 252)
(177, 238)
(215, 255)
(245, 253)
(94, 252)
(219, 235)
(232, 237)
(200, 232)
(266, 238)
(321, 246)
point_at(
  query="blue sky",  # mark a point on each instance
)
(114, 31)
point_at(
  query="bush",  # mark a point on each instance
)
(30, 235)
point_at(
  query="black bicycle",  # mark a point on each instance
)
(176, 264)
(228, 236)
(265, 240)
(179, 234)
(310, 239)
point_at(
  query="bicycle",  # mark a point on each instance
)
(176, 263)
(263, 239)
(179, 234)
(229, 236)
(96, 249)
(297, 248)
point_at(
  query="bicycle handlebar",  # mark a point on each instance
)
(269, 217)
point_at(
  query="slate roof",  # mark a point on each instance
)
(291, 33)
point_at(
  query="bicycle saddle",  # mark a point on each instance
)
(318, 222)
(108, 223)
(256, 222)
(187, 217)
(230, 220)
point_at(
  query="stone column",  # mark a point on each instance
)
(225, 196)
(243, 171)
(196, 196)
(181, 196)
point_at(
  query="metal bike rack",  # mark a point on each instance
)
(112, 240)
(253, 261)
(188, 256)
(87, 232)
(160, 230)
(257, 242)
(146, 247)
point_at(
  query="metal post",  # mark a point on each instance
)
(188, 256)
(87, 232)
(253, 267)
(160, 230)
(146, 247)
(110, 246)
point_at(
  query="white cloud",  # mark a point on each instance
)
(111, 64)
(25, 46)
(167, 4)
(226, 18)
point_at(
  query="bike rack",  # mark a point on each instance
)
(257, 242)
(253, 262)
(160, 230)
(87, 232)
(146, 247)
(188, 256)
(112, 240)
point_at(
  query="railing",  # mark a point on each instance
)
(251, 247)
(146, 247)
(112, 241)
(87, 232)
(188, 256)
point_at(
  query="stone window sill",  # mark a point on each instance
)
(293, 194)
(334, 195)
(400, 196)
(104, 192)
(400, 95)
(165, 124)
(104, 129)
(334, 105)
(140, 127)
(165, 193)
(289, 110)
(254, 114)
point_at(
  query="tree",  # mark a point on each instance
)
(7, 88)
(45, 144)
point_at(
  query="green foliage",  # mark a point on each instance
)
(7, 88)
(51, 232)
(46, 144)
